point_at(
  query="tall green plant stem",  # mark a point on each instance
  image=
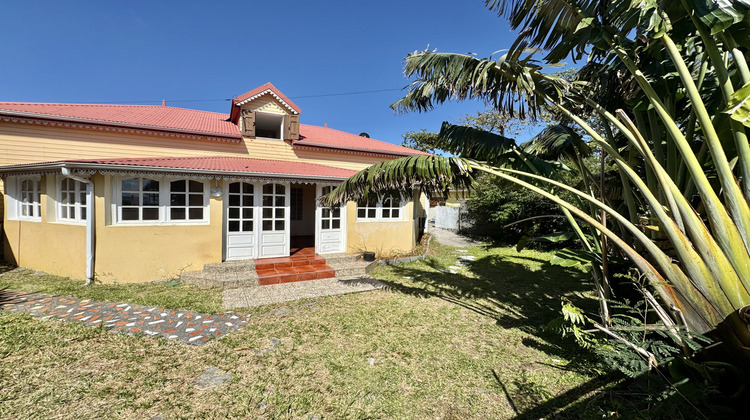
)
(732, 286)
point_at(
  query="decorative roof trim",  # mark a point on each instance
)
(71, 122)
(103, 168)
(258, 95)
(348, 150)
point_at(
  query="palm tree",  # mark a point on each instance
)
(652, 104)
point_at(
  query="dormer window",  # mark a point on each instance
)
(270, 126)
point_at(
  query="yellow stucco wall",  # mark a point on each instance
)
(45, 245)
(383, 238)
(152, 252)
(123, 253)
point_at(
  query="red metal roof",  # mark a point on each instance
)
(191, 121)
(314, 136)
(221, 164)
(147, 116)
(261, 89)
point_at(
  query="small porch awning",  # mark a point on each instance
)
(208, 167)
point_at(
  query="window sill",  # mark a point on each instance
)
(157, 223)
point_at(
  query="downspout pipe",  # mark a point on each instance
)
(89, 222)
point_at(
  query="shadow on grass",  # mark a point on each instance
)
(500, 287)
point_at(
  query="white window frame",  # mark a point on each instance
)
(79, 188)
(379, 208)
(35, 205)
(187, 193)
(164, 202)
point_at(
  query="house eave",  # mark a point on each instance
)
(54, 167)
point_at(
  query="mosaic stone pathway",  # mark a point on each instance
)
(185, 326)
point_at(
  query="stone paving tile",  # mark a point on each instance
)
(275, 293)
(185, 326)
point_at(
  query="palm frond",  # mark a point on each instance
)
(433, 175)
(512, 82)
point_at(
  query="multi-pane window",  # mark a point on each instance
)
(139, 200)
(148, 200)
(295, 203)
(367, 208)
(72, 204)
(240, 207)
(330, 217)
(389, 207)
(29, 203)
(274, 207)
(186, 200)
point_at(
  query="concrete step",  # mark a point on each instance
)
(222, 282)
(246, 266)
(341, 258)
(353, 268)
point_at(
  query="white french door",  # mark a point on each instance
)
(256, 218)
(330, 226)
(274, 220)
(239, 216)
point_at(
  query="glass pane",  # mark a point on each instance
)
(196, 200)
(66, 198)
(279, 213)
(247, 188)
(150, 185)
(361, 213)
(280, 202)
(326, 213)
(267, 225)
(267, 213)
(268, 189)
(83, 213)
(247, 213)
(64, 213)
(196, 186)
(177, 200)
(234, 226)
(337, 212)
(177, 213)
(130, 199)
(150, 214)
(130, 214)
(195, 213)
(279, 225)
(247, 226)
(386, 213)
(130, 184)
(267, 201)
(394, 213)
(326, 224)
(371, 213)
(151, 199)
(336, 223)
(177, 186)
(82, 198)
(280, 189)
(234, 213)
(234, 187)
(247, 200)
(234, 200)
(326, 190)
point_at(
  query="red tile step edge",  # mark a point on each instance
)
(290, 269)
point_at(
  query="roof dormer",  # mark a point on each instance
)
(265, 112)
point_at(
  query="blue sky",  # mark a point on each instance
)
(141, 52)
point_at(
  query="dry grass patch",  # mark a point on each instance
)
(429, 347)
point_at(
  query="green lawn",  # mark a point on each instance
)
(434, 345)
